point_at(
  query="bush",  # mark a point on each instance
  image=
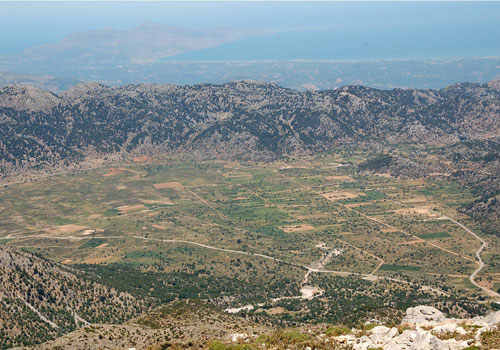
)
(336, 331)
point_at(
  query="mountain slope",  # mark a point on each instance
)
(195, 325)
(186, 323)
(40, 300)
(243, 120)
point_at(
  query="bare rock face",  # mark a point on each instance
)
(423, 315)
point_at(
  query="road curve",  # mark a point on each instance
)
(480, 261)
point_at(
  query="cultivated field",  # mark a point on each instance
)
(254, 221)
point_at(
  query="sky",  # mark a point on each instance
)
(464, 26)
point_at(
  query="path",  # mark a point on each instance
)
(209, 205)
(382, 262)
(42, 317)
(308, 268)
(480, 261)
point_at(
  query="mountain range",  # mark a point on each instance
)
(242, 120)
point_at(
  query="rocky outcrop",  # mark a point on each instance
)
(430, 330)
(423, 316)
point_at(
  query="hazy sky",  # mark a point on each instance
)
(24, 24)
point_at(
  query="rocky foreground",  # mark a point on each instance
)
(425, 327)
(196, 325)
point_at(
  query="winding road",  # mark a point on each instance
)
(480, 261)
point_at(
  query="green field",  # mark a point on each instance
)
(216, 219)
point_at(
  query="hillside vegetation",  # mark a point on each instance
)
(242, 120)
(40, 300)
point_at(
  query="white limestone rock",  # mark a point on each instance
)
(453, 344)
(492, 319)
(449, 328)
(423, 315)
(382, 335)
(237, 336)
(347, 338)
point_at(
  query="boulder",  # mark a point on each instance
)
(453, 344)
(449, 328)
(348, 339)
(382, 335)
(237, 336)
(423, 315)
(419, 340)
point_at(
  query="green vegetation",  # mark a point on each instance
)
(93, 242)
(434, 235)
(336, 331)
(169, 230)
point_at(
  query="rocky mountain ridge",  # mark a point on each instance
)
(243, 120)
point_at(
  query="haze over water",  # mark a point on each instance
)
(324, 30)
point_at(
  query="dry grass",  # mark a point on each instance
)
(174, 185)
(114, 171)
(130, 208)
(92, 261)
(415, 200)
(142, 159)
(339, 178)
(275, 311)
(416, 211)
(237, 175)
(65, 229)
(231, 164)
(162, 201)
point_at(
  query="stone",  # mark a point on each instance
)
(379, 334)
(380, 330)
(453, 344)
(392, 333)
(237, 336)
(449, 328)
(348, 338)
(423, 315)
